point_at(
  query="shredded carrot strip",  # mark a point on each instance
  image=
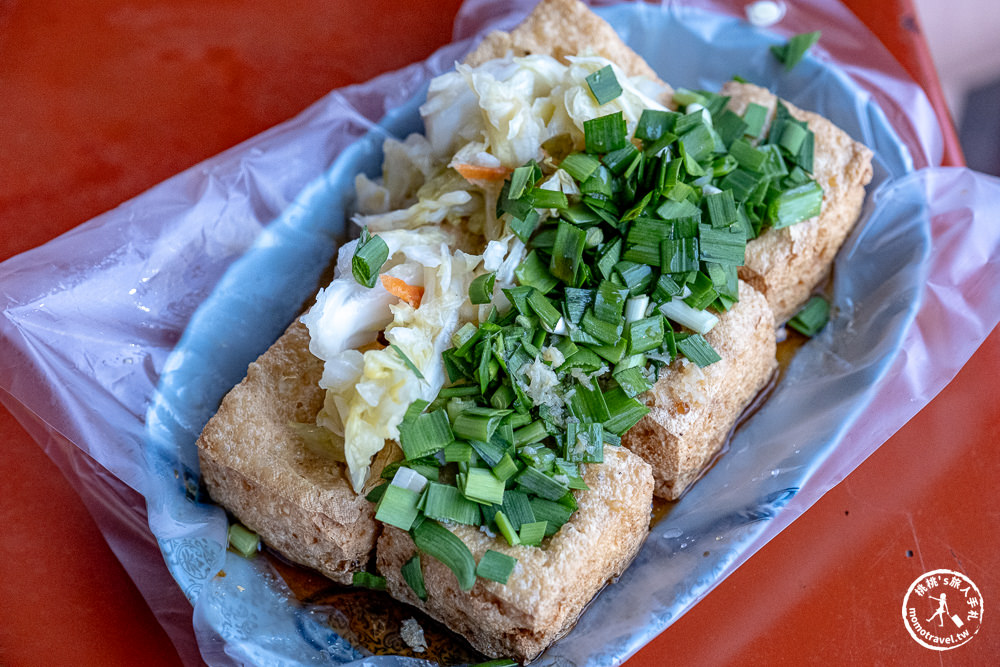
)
(475, 172)
(411, 294)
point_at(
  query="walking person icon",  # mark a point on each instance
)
(941, 610)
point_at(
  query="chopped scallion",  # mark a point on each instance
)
(754, 116)
(580, 166)
(632, 381)
(532, 534)
(796, 205)
(584, 443)
(725, 245)
(496, 566)
(605, 133)
(474, 424)
(793, 51)
(542, 198)
(540, 484)
(698, 350)
(368, 580)
(406, 360)
(701, 321)
(604, 85)
(533, 272)
(414, 577)
(398, 507)
(548, 314)
(506, 528)
(645, 334)
(369, 256)
(243, 540)
(435, 540)
(481, 288)
(482, 486)
(625, 411)
(567, 251)
(552, 513)
(812, 317)
(425, 434)
(446, 503)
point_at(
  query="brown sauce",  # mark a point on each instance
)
(372, 620)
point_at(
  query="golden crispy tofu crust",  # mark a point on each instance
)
(692, 409)
(561, 28)
(550, 586)
(254, 464)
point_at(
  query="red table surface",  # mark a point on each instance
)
(102, 99)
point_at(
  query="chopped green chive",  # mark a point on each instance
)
(542, 198)
(243, 540)
(645, 334)
(605, 133)
(481, 288)
(532, 272)
(496, 566)
(406, 360)
(506, 528)
(482, 486)
(796, 205)
(414, 577)
(532, 534)
(375, 494)
(398, 507)
(580, 166)
(547, 314)
(532, 433)
(610, 302)
(458, 452)
(725, 245)
(654, 124)
(368, 580)
(601, 330)
(754, 116)
(425, 434)
(584, 443)
(505, 468)
(447, 503)
(552, 513)
(793, 51)
(632, 381)
(477, 423)
(679, 255)
(721, 208)
(369, 256)
(625, 411)
(543, 486)
(522, 178)
(812, 317)
(604, 85)
(698, 350)
(435, 540)
(567, 251)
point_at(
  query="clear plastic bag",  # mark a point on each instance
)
(119, 338)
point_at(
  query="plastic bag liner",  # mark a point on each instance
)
(120, 337)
